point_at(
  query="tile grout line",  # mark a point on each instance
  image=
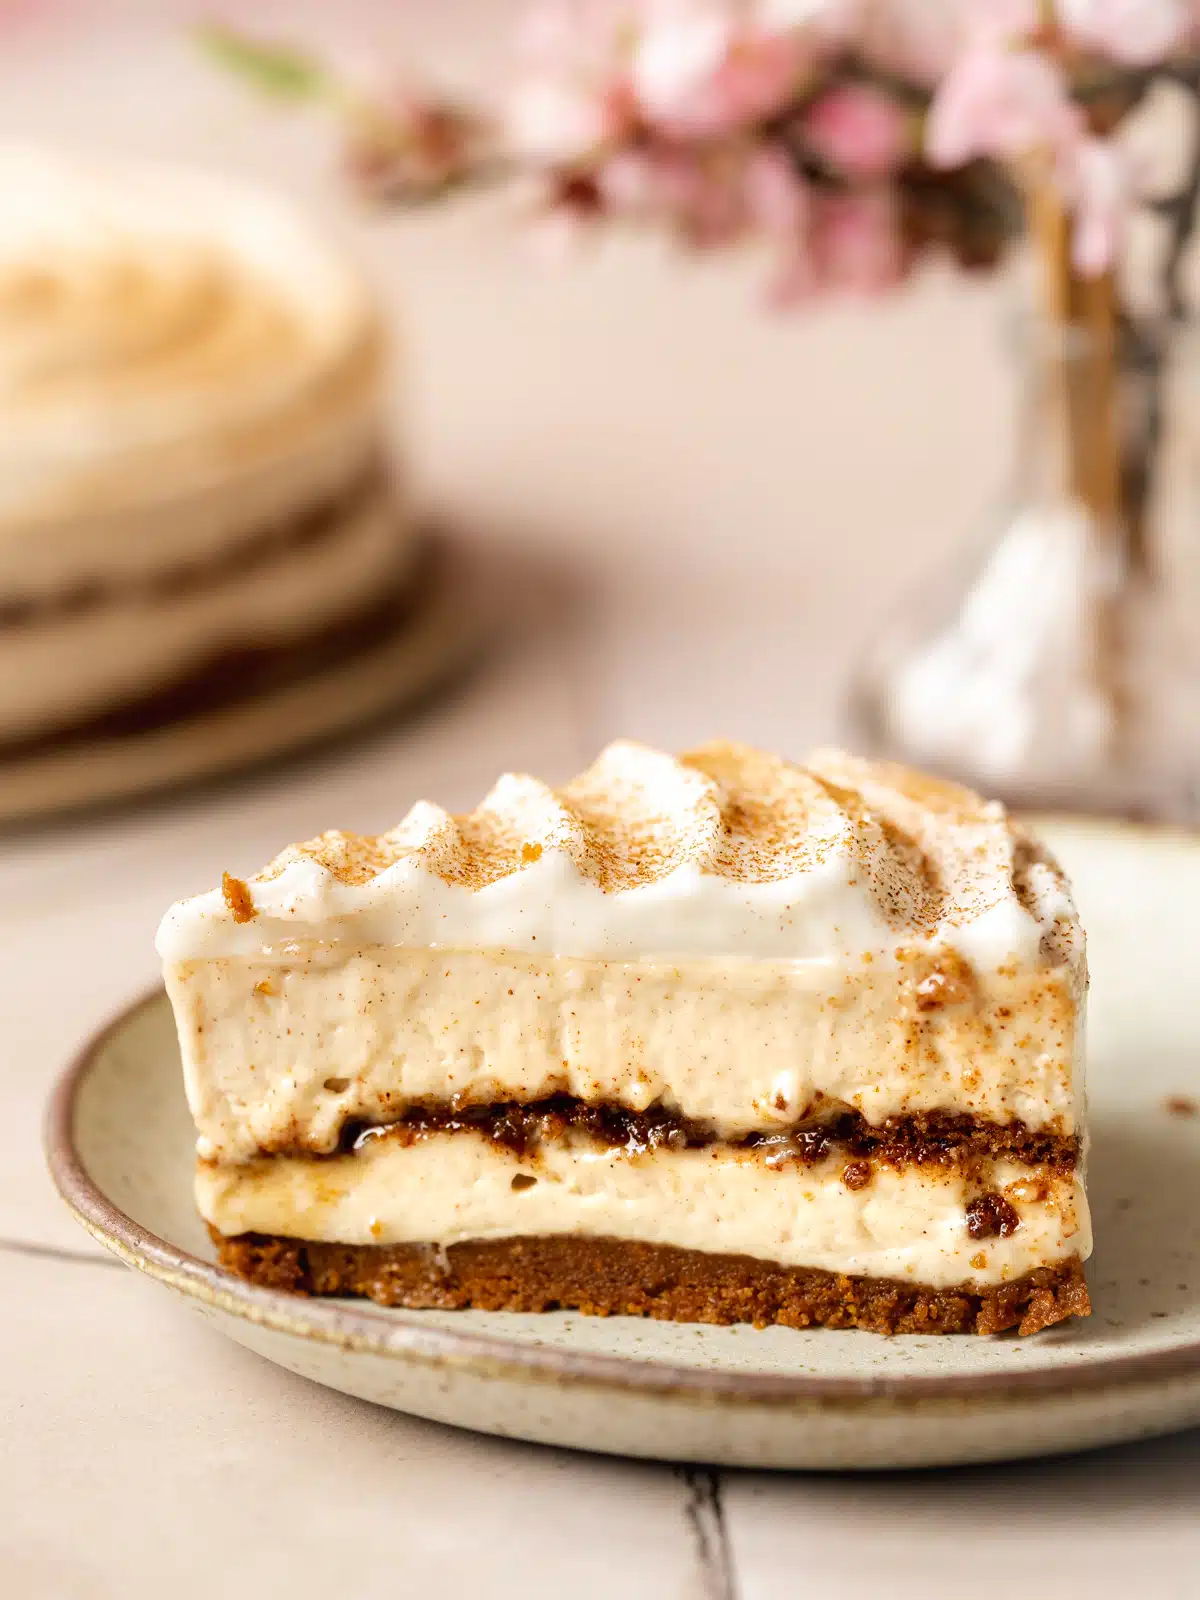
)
(705, 1511)
(53, 1252)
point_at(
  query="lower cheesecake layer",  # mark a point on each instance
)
(123, 653)
(982, 1224)
(615, 1277)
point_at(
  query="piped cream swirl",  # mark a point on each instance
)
(725, 853)
(166, 335)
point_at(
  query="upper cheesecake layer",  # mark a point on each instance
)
(725, 853)
(280, 1057)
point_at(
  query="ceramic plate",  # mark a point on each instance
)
(120, 1149)
(430, 640)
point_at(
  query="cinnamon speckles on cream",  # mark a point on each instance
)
(944, 985)
(637, 815)
(723, 853)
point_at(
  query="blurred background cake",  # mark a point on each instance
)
(194, 495)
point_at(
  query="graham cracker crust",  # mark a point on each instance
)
(614, 1277)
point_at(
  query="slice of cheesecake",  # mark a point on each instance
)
(717, 1038)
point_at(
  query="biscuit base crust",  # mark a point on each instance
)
(617, 1277)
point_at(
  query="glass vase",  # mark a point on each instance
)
(1056, 667)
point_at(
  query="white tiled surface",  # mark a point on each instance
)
(695, 475)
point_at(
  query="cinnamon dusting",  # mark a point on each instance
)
(930, 854)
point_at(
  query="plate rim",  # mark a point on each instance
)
(373, 1331)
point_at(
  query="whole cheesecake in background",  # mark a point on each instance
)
(192, 479)
(716, 1038)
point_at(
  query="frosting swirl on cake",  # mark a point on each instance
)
(726, 853)
(166, 338)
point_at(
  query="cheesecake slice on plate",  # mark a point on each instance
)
(714, 1038)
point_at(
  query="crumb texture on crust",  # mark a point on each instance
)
(609, 1277)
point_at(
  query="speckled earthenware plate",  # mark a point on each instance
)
(119, 1143)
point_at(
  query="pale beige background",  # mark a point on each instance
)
(715, 509)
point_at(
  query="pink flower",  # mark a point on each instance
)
(699, 199)
(698, 71)
(778, 203)
(858, 130)
(1000, 103)
(628, 183)
(681, 187)
(1098, 183)
(776, 196)
(707, 204)
(571, 94)
(856, 241)
(1135, 32)
(555, 120)
(921, 39)
(676, 64)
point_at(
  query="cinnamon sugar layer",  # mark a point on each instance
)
(932, 1138)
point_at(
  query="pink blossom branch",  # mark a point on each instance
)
(818, 127)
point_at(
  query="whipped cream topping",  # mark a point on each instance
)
(161, 331)
(725, 853)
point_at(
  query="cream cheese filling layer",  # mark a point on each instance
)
(280, 1054)
(908, 1223)
(191, 525)
(63, 670)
